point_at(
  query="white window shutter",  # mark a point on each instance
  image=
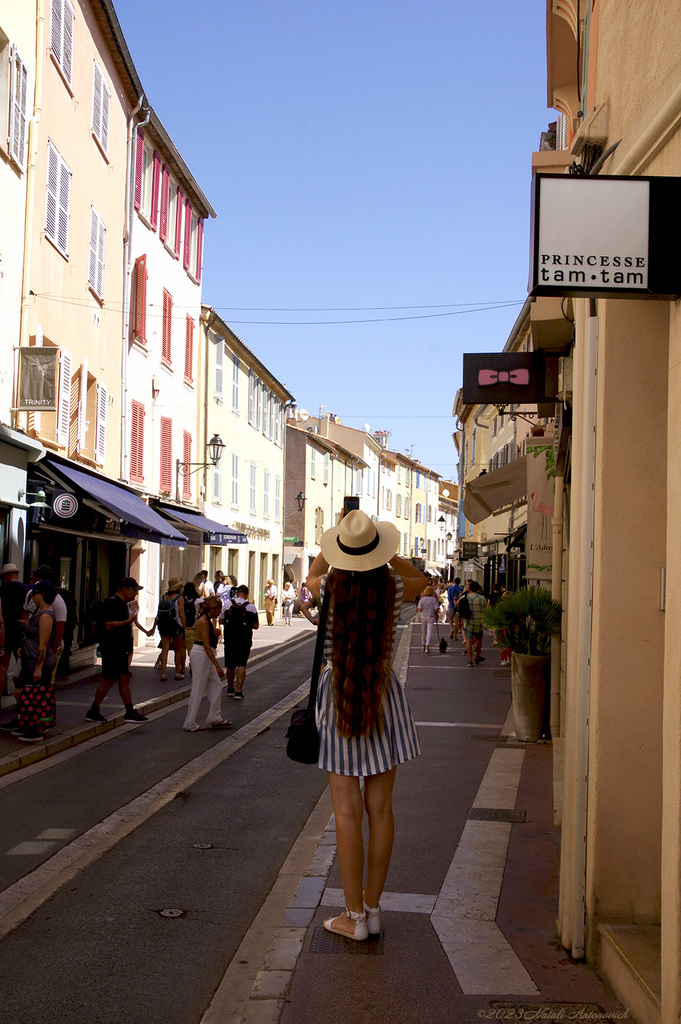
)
(64, 403)
(97, 101)
(82, 405)
(64, 203)
(217, 484)
(106, 102)
(52, 198)
(18, 109)
(94, 238)
(67, 46)
(100, 260)
(56, 29)
(219, 368)
(100, 436)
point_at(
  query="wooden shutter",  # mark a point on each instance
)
(189, 350)
(199, 250)
(140, 300)
(100, 435)
(178, 221)
(219, 383)
(186, 457)
(139, 168)
(165, 200)
(166, 482)
(188, 236)
(167, 328)
(64, 403)
(137, 442)
(18, 108)
(155, 189)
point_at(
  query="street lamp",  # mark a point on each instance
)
(300, 501)
(215, 448)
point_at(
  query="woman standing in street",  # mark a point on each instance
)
(37, 705)
(365, 725)
(288, 598)
(270, 596)
(206, 672)
(429, 606)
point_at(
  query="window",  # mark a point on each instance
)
(258, 404)
(253, 489)
(313, 464)
(96, 261)
(155, 190)
(61, 36)
(188, 236)
(100, 435)
(57, 200)
(398, 505)
(418, 478)
(251, 397)
(266, 494)
(64, 400)
(327, 468)
(186, 457)
(272, 414)
(137, 443)
(199, 249)
(218, 385)
(277, 499)
(18, 107)
(217, 484)
(235, 383)
(139, 168)
(277, 418)
(166, 480)
(179, 211)
(139, 300)
(167, 328)
(100, 109)
(165, 204)
(318, 525)
(265, 408)
(235, 479)
(189, 351)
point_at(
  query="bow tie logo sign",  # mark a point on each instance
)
(489, 377)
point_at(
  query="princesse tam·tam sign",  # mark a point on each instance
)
(608, 237)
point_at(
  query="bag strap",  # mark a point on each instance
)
(318, 652)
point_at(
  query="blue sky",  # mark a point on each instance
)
(369, 162)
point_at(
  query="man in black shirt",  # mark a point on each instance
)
(116, 644)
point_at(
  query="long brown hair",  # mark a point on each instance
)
(361, 639)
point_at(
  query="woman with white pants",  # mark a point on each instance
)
(429, 606)
(207, 675)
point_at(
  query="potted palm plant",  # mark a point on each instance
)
(525, 621)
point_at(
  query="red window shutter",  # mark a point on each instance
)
(139, 168)
(165, 199)
(166, 453)
(186, 457)
(189, 350)
(199, 251)
(178, 221)
(155, 189)
(167, 327)
(140, 299)
(187, 236)
(137, 443)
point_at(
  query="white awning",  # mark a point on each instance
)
(491, 491)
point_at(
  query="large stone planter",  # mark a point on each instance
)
(528, 686)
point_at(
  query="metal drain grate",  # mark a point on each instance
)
(495, 814)
(325, 942)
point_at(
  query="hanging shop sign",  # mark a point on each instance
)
(608, 237)
(540, 509)
(65, 505)
(469, 549)
(504, 378)
(37, 390)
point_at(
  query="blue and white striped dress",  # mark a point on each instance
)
(379, 751)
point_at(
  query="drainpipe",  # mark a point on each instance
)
(30, 192)
(127, 240)
(587, 515)
(556, 594)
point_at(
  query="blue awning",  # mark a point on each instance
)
(137, 519)
(217, 533)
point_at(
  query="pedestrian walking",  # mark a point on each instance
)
(365, 726)
(206, 672)
(270, 598)
(429, 606)
(472, 625)
(115, 642)
(170, 622)
(241, 618)
(37, 705)
(288, 599)
(454, 592)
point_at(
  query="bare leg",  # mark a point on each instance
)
(165, 647)
(348, 809)
(240, 678)
(469, 648)
(378, 802)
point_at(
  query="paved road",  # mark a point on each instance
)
(99, 949)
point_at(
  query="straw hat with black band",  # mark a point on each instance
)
(359, 544)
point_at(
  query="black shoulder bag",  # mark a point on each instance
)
(302, 737)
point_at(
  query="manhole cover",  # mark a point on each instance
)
(325, 942)
(171, 912)
(495, 814)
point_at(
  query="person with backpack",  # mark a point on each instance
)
(475, 603)
(240, 619)
(189, 599)
(171, 622)
(114, 632)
